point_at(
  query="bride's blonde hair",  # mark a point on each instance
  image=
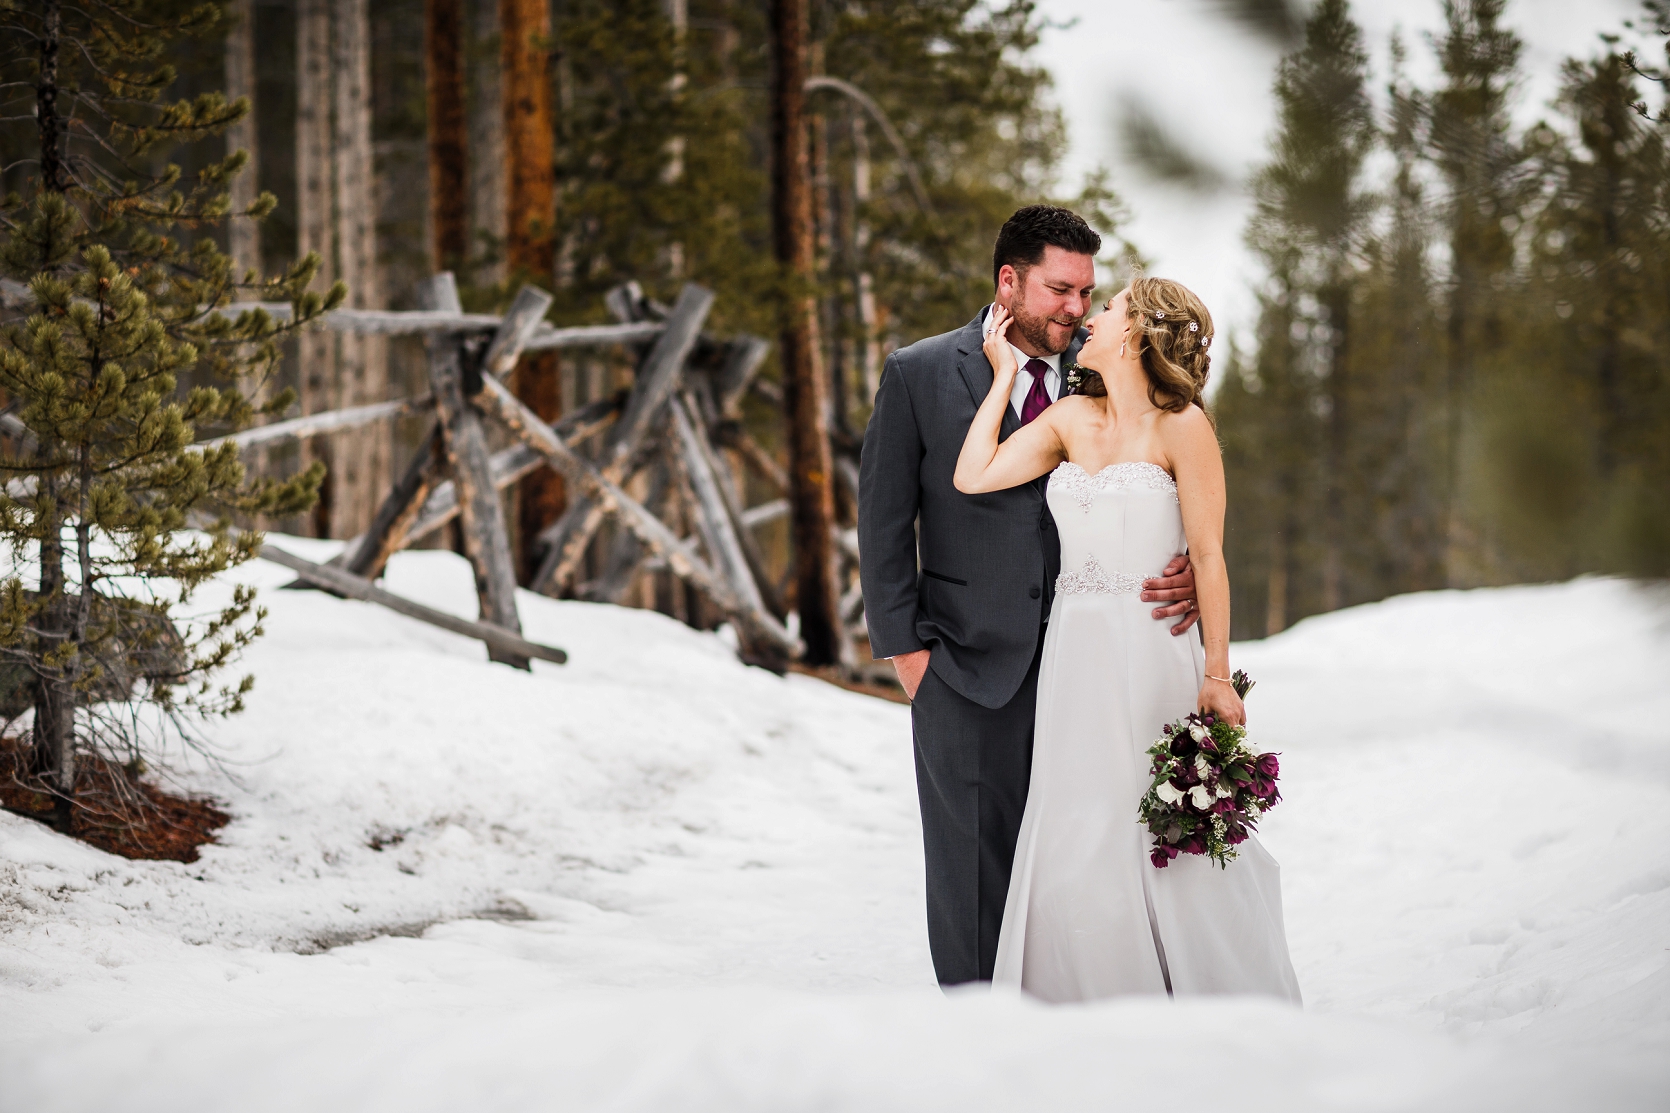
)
(1172, 330)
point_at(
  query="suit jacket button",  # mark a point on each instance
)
(1035, 591)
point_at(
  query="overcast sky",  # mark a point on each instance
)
(1209, 80)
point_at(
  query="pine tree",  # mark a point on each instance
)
(104, 482)
(1600, 250)
(1309, 201)
(1485, 173)
(1402, 546)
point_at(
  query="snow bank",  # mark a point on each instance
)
(656, 879)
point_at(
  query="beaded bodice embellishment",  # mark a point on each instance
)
(1130, 475)
(1093, 579)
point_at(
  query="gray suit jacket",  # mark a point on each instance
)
(988, 562)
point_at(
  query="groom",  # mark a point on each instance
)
(965, 628)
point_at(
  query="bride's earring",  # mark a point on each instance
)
(1122, 348)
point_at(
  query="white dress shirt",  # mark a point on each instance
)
(1023, 377)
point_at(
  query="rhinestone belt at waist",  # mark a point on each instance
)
(1093, 579)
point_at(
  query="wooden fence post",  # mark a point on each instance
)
(481, 515)
(567, 539)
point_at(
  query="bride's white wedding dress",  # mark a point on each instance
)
(1088, 914)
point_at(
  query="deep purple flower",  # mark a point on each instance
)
(1161, 856)
(1269, 766)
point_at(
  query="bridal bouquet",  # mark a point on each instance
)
(1210, 787)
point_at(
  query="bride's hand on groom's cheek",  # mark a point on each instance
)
(998, 352)
(1174, 587)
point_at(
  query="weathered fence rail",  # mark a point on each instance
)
(668, 430)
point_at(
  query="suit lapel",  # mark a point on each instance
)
(977, 373)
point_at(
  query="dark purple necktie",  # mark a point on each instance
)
(1038, 398)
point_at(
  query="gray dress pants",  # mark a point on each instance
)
(973, 765)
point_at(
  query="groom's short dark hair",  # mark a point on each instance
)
(1023, 237)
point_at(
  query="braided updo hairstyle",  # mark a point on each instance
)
(1173, 331)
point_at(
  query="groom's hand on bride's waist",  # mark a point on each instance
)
(1175, 587)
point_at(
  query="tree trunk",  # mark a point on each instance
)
(336, 216)
(530, 248)
(1275, 609)
(53, 743)
(362, 461)
(812, 489)
(243, 236)
(449, 205)
(1337, 298)
(486, 145)
(317, 348)
(864, 287)
(49, 126)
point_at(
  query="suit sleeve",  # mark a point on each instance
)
(889, 494)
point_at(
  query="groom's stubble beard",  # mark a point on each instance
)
(1035, 330)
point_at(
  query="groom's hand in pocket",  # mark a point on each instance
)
(1175, 587)
(911, 668)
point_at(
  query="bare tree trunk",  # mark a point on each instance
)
(362, 460)
(868, 350)
(486, 144)
(53, 744)
(1275, 614)
(317, 348)
(805, 396)
(449, 205)
(337, 217)
(1338, 300)
(243, 236)
(530, 247)
(49, 125)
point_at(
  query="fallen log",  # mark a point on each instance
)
(498, 639)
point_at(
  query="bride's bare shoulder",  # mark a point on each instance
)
(1074, 406)
(1190, 422)
(1186, 430)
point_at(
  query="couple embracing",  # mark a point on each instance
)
(1014, 534)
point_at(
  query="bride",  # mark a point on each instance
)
(1135, 476)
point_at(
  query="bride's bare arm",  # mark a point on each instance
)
(1191, 446)
(1035, 448)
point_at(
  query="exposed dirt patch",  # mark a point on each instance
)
(116, 809)
(837, 676)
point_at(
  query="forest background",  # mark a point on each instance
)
(1458, 374)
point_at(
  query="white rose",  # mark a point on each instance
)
(1224, 791)
(1201, 798)
(1169, 792)
(1203, 768)
(1198, 732)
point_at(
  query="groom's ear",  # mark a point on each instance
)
(1008, 281)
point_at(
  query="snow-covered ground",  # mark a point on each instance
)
(654, 879)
